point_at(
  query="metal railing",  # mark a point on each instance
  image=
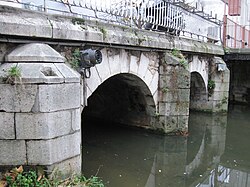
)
(235, 35)
(157, 15)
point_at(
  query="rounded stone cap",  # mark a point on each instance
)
(34, 52)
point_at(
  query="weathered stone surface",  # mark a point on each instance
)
(170, 59)
(7, 126)
(48, 152)
(20, 22)
(134, 64)
(183, 122)
(34, 52)
(103, 69)
(64, 27)
(76, 119)
(178, 108)
(175, 95)
(57, 97)
(220, 95)
(17, 98)
(15, 22)
(221, 86)
(36, 73)
(143, 65)
(169, 123)
(67, 167)
(94, 81)
(114, 61)
(12, 152)
(47, 125)
(68, 73)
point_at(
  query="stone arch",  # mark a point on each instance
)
(116, 61)
(198, 92)
(131, 74)
(200, 66)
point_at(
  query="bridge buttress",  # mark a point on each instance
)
(174, 91)
(39, 110)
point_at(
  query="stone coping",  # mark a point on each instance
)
(16, 22)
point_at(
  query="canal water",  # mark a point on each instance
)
(216, 153)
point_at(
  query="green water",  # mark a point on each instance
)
(216, 153)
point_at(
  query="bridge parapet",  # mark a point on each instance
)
(16, 23)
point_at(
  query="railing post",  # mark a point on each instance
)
(248, 43)
(235, 34)
(243, 37)
(225, 31)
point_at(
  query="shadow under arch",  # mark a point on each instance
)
(123, 98)
(198, 92)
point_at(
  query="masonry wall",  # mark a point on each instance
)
(40, 116)
(174, 91)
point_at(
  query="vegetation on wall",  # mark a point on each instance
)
(210, 87)
(14, 73)
(75, 59)
(177, 53)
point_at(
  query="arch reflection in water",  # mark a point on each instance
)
(129, 157)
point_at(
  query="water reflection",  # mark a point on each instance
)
(216, 153)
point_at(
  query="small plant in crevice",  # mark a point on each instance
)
(104, 32)
(164, 89)
(157, 114)
(14, 74)
(177, 53)
(75, 59)
(210, 87)
(79, 21)
(226, 50)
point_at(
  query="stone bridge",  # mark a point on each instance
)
(146, 79)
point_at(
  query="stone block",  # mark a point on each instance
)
(221, 86)
(17, 98)
(183, 80)
(134, 64)
(103, 68)
(37, 73)
(169, 123)
(7, 125)
(177, 108)
(183, 122)
(124, 61)
(95, 80)
(143, 66)
(34, 52)
(47, 125)
(114, 61)
(154, 83)
(67, 167)
(24, 23)
(48, 152)
(170, 59)
(220, 106)
(175, 95)
(76, 119)
(65, 28)
(12, 152)
(221, 76)
(57, 97)
(220, 95)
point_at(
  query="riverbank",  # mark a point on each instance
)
(17, 177)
